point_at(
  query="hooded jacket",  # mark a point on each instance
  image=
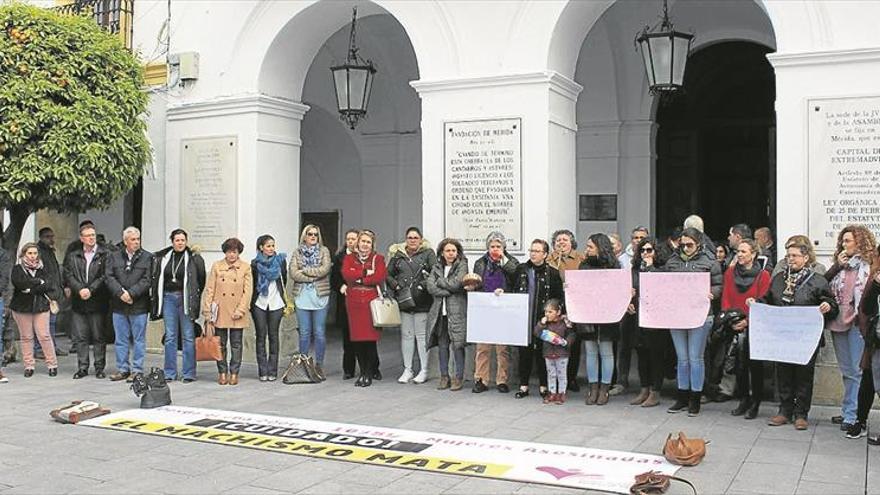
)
(406, 271)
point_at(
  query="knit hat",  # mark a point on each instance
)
(496, 236)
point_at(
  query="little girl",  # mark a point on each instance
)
(557, 333)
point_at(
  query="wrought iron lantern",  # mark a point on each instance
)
(353, 82)
(664, 52)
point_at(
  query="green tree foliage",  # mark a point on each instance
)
(72, 134)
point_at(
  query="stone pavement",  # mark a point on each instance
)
(40, 456)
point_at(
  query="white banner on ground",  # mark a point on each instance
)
(559, 465)
(500, 319)
(785, 334)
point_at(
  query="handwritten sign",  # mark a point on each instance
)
(597, 296)
(673, 300)
(500, 319)
(785, 334)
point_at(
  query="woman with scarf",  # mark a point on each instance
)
(690, 343)
(310, 271)
(798, 285)
(856, 252)
(34, 288)
(447, 319)
(364, 273)
(599, 338)
(495, 269)
(541, 282)
(267, 304)
(742, 281)
(650, 344)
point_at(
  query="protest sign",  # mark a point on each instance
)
(597, 296)
(500, 319)
(785, 334)
(677, 300)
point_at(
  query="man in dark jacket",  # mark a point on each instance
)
(46, 247)
(542, 283)
(128, 281)
(337, 284)
(84, 271)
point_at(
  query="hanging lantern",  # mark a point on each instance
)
(664, 53)
(353, 82)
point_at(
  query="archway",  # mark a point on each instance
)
(715, 142)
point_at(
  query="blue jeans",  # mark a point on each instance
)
(595, 349)
(690, 345)
(176, 320)
(130, 329)
(848, 347)
(312, 326)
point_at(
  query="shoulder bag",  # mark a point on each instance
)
(684, 451)
(655, 482)
(208, 345)
(384, 311)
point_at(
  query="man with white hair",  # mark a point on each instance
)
(696, 222)
(128, 281)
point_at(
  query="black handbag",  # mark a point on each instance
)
(300, 370)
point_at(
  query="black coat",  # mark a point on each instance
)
(5, 270)
(336, 283)
(75, 278)
(50, 262)
(411, 271)
(548, 285)
(194, 278)
(31, 291)
(134, 277)
(812, 292)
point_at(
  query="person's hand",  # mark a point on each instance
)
(711, 296)
(740, 326)
(237, 314)
(824, 308)
(343, 289)
(750, 301)
(544, 320)
(370, 272)
(469, 287)
(499, 291)
(126, 297)
(842, 258)
(631, 309)
(649, 261)
(85, 294)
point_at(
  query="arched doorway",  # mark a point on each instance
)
(715, 142)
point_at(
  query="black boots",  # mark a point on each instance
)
(694, 404)
(752, 413)
(681, 402)
(744, 405)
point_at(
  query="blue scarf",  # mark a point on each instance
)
(268, 270)
(311, 255)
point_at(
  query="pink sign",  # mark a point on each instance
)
(597, 296)
(673, 300)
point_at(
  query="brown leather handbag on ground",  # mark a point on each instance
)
(684, 451)
(208, 345)
(655, 482)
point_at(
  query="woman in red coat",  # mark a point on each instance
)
(743, 281)
(364, 274)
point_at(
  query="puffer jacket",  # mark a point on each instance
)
(319, 275)
(700, 262)
(448, 288)
(405, 271)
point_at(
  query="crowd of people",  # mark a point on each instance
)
(124, 285)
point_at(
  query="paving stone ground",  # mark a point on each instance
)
(40, 456)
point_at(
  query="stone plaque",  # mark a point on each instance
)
(208, 187)
(843, 167)
(483, 181)
(597, 207)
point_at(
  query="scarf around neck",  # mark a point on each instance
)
(855, 263)
(744, 277)
(31, 266)
(793, 282)
(268, 270)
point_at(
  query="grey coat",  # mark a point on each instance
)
(451, 290)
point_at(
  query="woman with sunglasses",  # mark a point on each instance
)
(650, 343)
(690, 343)
(310, 271)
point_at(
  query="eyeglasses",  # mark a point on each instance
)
(689, 244)
(536, 251)
(312, 234)
(413, 238)
(647, 250)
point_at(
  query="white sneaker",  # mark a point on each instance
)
(406, 376)
(422, 377)
(3, 378)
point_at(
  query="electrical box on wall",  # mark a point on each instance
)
(187, 65)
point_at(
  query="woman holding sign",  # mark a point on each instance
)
(797, 286)
(599, 338)
(690, 343)
(742, 281)
(447, 319)
(650, 343)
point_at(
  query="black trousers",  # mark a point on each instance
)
(651, 350)
(367, 354)
(532, 356)
(749, 373)
(266, 324)
(235, 337)
(88, 329)
(625, 345)
(795, 384)
(866, 396)
(574, 359)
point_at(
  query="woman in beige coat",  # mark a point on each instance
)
(310, 272)
(225, 303)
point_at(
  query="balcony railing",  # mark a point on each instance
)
(113, 15)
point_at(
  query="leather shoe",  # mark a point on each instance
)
(28, 373)
(53, 371)
(100, 374)
(80, 374)
(752, 413)
(233, 379)
(479, 387)
(119, 376)
(377, 375)
(503, 388)
(368, 380)
(801, 424)
(359, 382)
(778, 420)
(221, 379)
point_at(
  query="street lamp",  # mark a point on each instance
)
(353, 82)
(664, 52)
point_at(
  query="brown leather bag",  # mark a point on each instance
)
(654, 482)
(208, 345)
(684, 451)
